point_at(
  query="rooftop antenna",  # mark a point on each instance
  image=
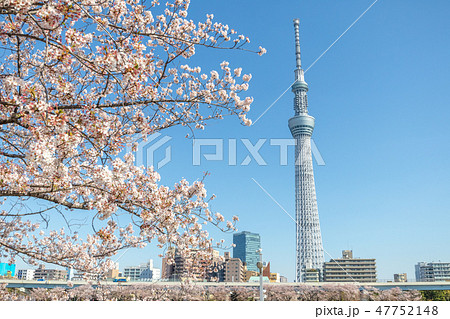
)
(299, 75)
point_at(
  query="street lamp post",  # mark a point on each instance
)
(260, 266)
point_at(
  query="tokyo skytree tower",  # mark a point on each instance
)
(309, 238)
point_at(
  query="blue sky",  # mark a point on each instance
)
(380, 98)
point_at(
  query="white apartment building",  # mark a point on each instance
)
(143, 272)
(434, 271)
(25, 274)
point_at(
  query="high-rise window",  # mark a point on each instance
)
(246, 246)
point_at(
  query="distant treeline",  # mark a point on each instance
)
(435, 295)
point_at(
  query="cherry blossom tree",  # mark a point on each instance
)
(80, 81)
(188, 292)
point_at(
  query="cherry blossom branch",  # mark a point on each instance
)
(80, 81)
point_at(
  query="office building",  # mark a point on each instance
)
(246, 246)
(349, 269)
(434, 271)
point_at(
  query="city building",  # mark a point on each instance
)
(143, 272)
(266, 269)
(275, 277)
(70, 273)
(25, 274)
(112, 273)
(49, 274)
(400, 277)
(246, 245)
(309, 249)
(347, 254)
(7, 270)
(434, 271)
(83, 276)
(349, 269)
(216, 272)
(191, 266)
(283, 279)
(180, 268)
(234, 270)
(312, 275)
(250, 273)
(132, 272)
(150, 274)
(267, 274)
(167, 268)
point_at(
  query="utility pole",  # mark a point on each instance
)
(260, 266)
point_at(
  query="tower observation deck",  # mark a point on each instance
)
(309, 249)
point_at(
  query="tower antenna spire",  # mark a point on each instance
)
(298, 71)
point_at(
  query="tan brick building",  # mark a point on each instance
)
(349, 269)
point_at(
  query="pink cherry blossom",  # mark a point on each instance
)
(79, 82)
(190, 291)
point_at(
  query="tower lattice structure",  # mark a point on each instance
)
(309, 238)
